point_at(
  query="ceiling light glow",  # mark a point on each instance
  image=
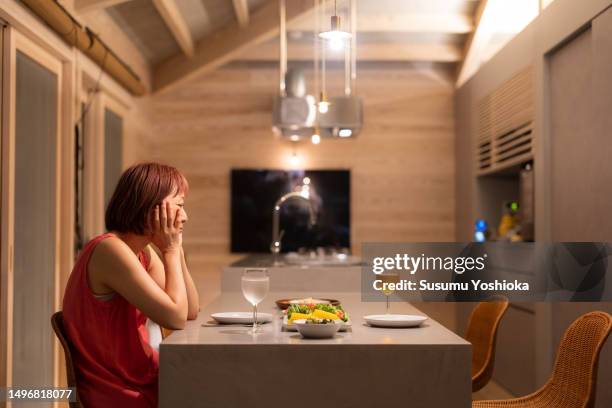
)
(335, 33)
(323, 107)
(294, 160)
(336, 44)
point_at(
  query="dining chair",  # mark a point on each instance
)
(482, 333)
(165, 332)
(57, 321)
(574, 377)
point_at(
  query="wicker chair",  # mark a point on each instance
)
(57, 321)
(165, 332)
(482, 333)
(574, 376)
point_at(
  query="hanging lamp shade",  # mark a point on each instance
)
(336, 32)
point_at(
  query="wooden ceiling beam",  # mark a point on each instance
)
(169, 12)
(474, 44)
(86, 6)
(383, 52)
(224, 45)
(241, 9)
(400, 22)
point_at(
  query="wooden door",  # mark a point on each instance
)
(30, 191)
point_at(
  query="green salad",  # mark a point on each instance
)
(319, 310)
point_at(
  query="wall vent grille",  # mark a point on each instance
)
(505, 125)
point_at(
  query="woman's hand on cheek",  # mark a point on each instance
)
(166, 234)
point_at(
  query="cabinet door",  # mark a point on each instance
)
(581, 169)
(581, 135)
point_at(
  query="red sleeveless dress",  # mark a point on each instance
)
(115, 365)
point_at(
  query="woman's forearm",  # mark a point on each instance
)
(175, 282)
(193, 299)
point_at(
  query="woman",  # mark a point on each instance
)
(119, 281)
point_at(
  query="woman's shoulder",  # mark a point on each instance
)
(92, 260)
(87, 250)
(112, 255)
(109, 245)
(98, 239)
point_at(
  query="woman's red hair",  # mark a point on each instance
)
(139, 189)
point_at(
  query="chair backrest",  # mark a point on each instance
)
(165, 332)
(575, 372)
(482, 333)
(57, 321)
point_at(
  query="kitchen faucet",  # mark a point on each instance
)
(277, 235)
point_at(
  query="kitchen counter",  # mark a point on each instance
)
(295, 277)
(336, 260)
(366, 367)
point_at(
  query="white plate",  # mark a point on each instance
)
(317, 331)
(292, 327)
(240, 317)
(394, 320)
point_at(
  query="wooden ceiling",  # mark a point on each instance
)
(182, 38)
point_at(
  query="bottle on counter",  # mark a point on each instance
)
(509, 228)
(481, 230)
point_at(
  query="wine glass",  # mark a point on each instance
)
(388, 278)
(255, 286)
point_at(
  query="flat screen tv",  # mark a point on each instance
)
(254, 193)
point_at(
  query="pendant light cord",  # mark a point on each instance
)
(316, 47)
(323, 62)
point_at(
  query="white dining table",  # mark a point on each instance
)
(225, 366)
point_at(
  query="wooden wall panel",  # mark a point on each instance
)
(402, 164)
(137, 132)
(464, 172)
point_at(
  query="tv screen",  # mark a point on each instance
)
(254, 193)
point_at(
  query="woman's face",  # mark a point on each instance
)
(177, 202)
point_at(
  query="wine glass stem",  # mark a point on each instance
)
(254, 317)
(387, 304)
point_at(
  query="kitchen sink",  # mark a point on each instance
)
(318, 259)
(301, 260)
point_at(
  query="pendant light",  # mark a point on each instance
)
(298, 116)
(316, 136)
(338, 116)
(323, 103)
(335, 34)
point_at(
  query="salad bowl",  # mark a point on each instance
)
(317, 328)
(317, 311)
